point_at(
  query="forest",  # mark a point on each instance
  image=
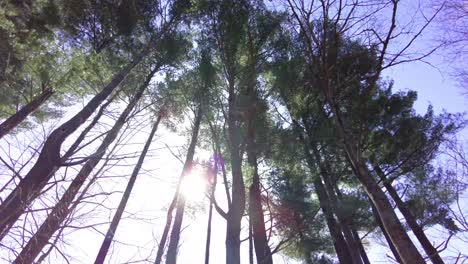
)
(231, 131)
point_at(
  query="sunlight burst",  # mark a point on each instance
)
(194, 185)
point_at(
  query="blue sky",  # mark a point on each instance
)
(155, 188)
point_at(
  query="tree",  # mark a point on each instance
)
(49, 159)
(226, 21)
(322, 44)
(14, 120)
(61, 209)
(118, 215)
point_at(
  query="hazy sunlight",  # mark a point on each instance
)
(194, 185)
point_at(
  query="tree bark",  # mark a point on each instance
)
(262, 250)
(236, 210)
(430, 250)
(251, 250)
(212, 181)
(61, 209)
(24, 112)
(49, 158)
(208, 234)
(123, 202)
(306, 253)
(387, 237)
(256, 217)
(362, 250)
(71, 150)
(167, 227)
(180, 208)
(339, 242)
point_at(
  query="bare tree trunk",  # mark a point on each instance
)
(307, 256)
(430, 250)
(167, 227)
(49, 159)
(212, 181)
(389, 241)
(256, 217)
(251, 257)
(234, 216)
(83, 134)
(236, 210)
(24, 112)
(208, 234)
(362, 250)
(123, 202)
(61, 209)
(71, 150)
(262, 250)
(180, 208)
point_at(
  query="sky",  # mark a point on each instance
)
(146, 211)
(154, 189)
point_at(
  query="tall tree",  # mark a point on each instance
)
(126, 196)
(204, 81)
(226, 21)
(326, 38)
(49, 158)
(62, 208)
(180, 204)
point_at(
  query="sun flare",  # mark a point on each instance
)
(194, 186)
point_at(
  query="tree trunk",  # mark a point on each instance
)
(350, 226)
(212, 182)
(256, 217)
(180, 208)
(208, 234)
(71, 150)
(405, 247)
(61, 209)
(262, 250)
(306, 253)
(353, 247)
(387, 237)
(362, 250)
(24, 112)
(167, 227)
(234, 216)
(341, 247)
(339, 243)
(410, 219)
(251, 257)
(118, 215)
(49, 159)
(236, 210)
(83, 134)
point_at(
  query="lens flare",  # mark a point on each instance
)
(193, 185)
